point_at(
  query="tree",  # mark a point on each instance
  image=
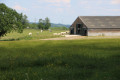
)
(25, 22)
(33, 25)
(44, 24)
(47, 23)
(10, 20)
(41, 24)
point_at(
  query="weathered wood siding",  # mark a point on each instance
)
(103, 32)
(77, 21)
(96, 31)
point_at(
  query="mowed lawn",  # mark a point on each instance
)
(60, 60)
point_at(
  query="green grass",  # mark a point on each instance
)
(36, 34)
(97, 59)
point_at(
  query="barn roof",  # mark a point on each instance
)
(101, 21)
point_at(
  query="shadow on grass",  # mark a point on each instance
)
(10, 39)
(73, 67)
(59, 62)
(21, 38)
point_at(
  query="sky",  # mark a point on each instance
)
(64, 11)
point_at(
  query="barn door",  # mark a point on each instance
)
(80, 30)
(72, 31)
(84, 32)
(76, 28)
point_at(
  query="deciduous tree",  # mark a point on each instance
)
(47, 23)
(10, 20)
(41, 24)
(44, 24)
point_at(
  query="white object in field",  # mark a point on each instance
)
(55, 34)
(63, 33)
(59, 33)
(27, 27)
(30, 34)
(41, 31)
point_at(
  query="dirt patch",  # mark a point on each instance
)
(77, 37)
(66, 37)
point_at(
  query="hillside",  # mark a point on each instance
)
(59, 25)
(55, 25)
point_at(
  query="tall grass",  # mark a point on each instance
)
(60, 60)
(36, 34)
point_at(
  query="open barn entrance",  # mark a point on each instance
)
(80, 30)
(72, 30)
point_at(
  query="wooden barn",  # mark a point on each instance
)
(96, 26)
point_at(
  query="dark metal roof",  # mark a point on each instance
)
(101, 21)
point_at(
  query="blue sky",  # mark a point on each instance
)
(64, 11)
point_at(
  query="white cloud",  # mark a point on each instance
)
(83, 2)
(57, 3)
(19, 8)
(114, 9)
(86, 2)
(59, 9)
(115, 1)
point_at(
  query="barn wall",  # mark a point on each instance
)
(104, 32)
(77, 21)
(96, 31)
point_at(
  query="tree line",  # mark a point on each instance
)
(11, 20)
(42, 24)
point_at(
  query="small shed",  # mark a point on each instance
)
(96, 26)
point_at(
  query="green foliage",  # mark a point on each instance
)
(44, 24)
(33, 26)
(41, 24)
(47, 23)
(97, 59)
(25, 22)
(10, 20)
(59, 28)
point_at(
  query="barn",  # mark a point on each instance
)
(96, 26)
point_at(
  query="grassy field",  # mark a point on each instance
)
(36, 34)
(97, 59)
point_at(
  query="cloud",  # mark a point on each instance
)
(115, 1)
(86, 2)
(59, 9)
(83, 2)
(114, 9)
(19, 8)
(57, 3)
